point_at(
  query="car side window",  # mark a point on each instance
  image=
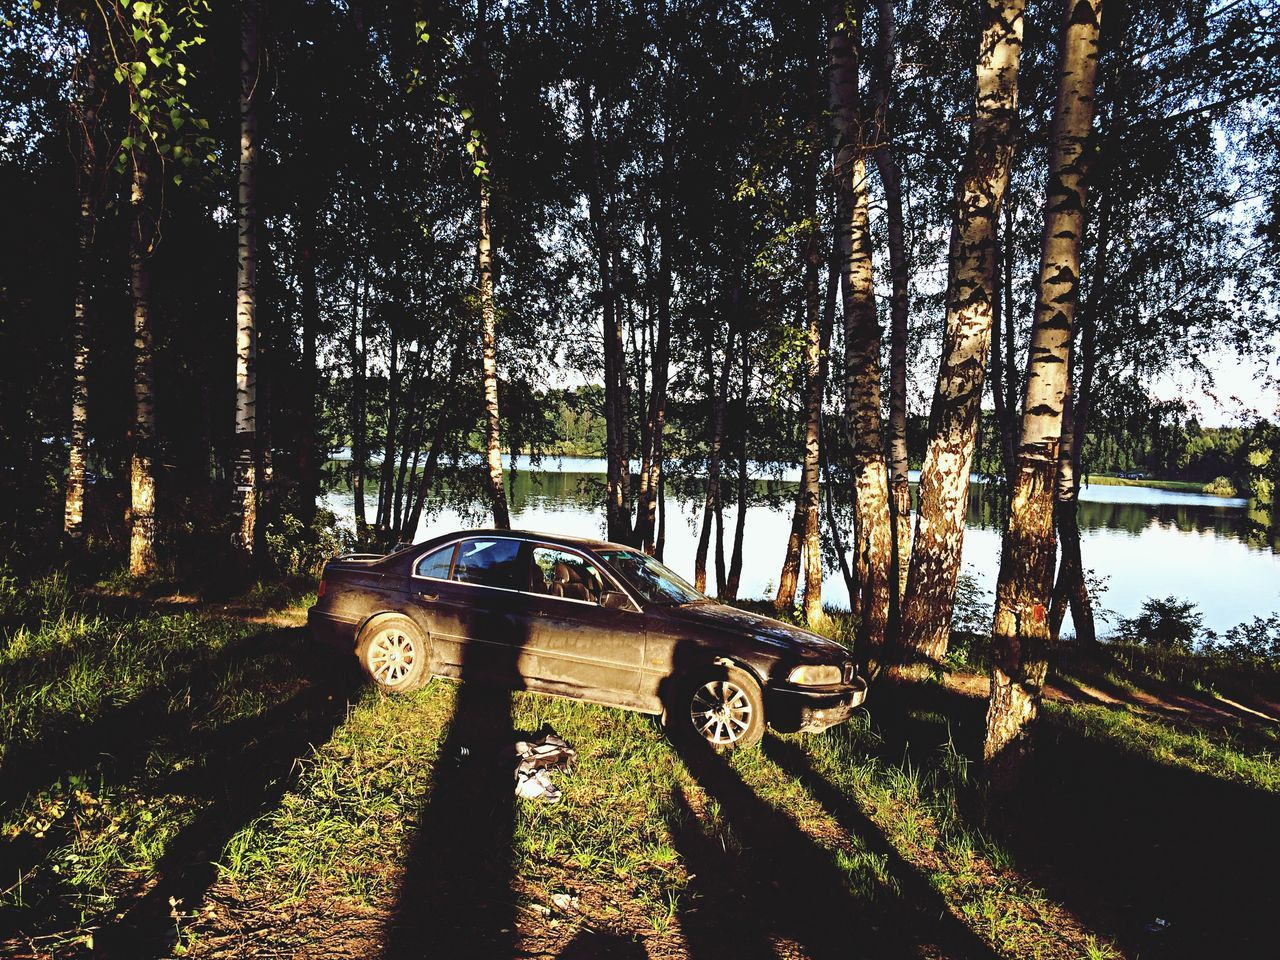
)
(490, 563)
(560, 573)
(436, 564)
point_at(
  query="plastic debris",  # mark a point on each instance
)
(534, 760)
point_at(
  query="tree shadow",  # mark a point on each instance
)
(243, 770)
(919, 906)
(1170, 862)
(455, 898)
(237, 770)
(119, 736)
(596, 945)
(719, 913)
(789, 884)
(916, 718)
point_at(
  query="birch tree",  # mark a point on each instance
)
(245, 502)
(484, 257)
(1020, 634)
(886, 161)
(872, 535)
(83, 116)
(944, 479)
(804, 541)
(142, 479)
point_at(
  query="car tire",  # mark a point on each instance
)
(395, 654)
(722, 708)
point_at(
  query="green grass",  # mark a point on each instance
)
(134, 736)
(1218, 753)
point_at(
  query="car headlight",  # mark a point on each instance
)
(815, 675)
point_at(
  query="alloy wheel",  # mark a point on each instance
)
(721, 712)
(391, 657)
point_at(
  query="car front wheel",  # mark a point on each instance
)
(395, 654)
(723, 708)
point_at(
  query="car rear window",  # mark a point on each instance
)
(491, 563)
(436, 564)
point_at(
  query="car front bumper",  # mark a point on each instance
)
(791, 708)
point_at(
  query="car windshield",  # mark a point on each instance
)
(649, 578)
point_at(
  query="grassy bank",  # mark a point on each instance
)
(203, 782)
(1178, 486)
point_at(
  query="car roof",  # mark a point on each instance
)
(541, 536)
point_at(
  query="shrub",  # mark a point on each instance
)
(1170, 624)
(1220, 487)
(1255, 643)
(298, 550)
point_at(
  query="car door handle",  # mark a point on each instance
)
(428, 596)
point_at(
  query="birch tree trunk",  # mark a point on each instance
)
(815, 387)
(944, 480)
(85, 116)
(616, 387)
(1071, 591)
(744, 478)
(488, 323)
(489, 369)
(308, 462)
(245, 472)
(872, 534)
(646, 508)
(887, 167)
(142, 481)
(1004, 411)
(359, 451)
(807, 494)
(712, 499)
(1020, 634)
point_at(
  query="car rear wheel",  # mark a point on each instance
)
(723, 708)
(395, 654)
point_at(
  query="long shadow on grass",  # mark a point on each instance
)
(242, 769)
(783, 881)
(920, 907)
(455, 898)
(120, 736)
(1170, 862)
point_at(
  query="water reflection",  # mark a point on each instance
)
(1213, 551)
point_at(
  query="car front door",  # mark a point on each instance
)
(574, 645)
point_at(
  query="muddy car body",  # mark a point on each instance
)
(582, 619)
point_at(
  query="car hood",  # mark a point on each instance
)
(764, 629)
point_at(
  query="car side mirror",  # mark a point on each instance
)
(614, 600)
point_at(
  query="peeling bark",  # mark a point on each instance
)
(1020, 634)
(944, 481)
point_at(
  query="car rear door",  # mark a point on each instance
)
(573, 645)
(473, 608)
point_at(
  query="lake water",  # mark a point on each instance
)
(1144, 542)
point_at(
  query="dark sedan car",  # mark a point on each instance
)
(586, 620)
